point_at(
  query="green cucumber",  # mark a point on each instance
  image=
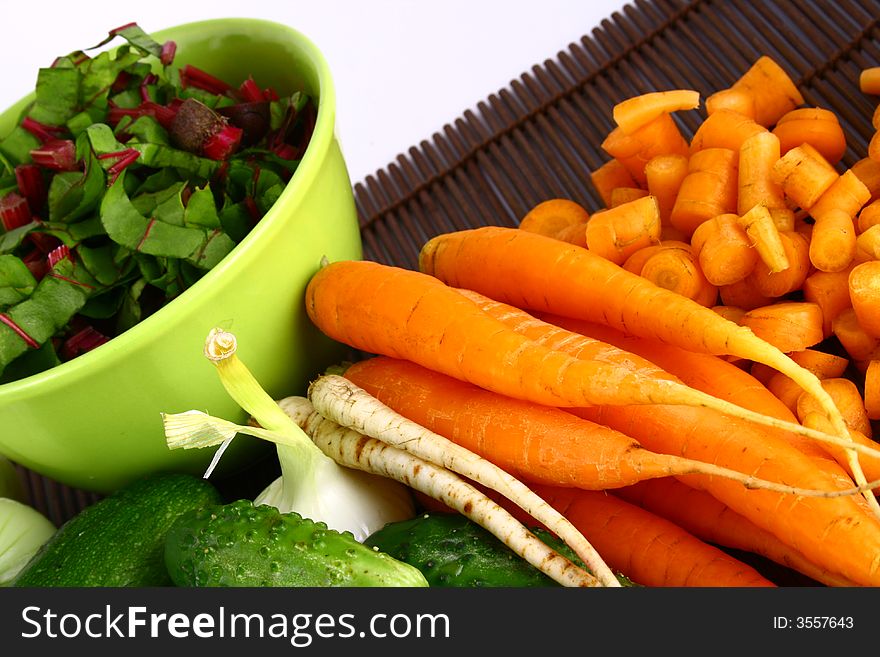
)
(239, 544)
(453, 551)
(120, 540)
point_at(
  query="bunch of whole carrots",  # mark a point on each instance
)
(695, 365)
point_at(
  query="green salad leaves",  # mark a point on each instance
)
(123, 182)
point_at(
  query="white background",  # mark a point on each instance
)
(402, 68)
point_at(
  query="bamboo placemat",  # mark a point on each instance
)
(539, 137)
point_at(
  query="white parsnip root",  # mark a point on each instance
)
(351, 448)
(338, 399)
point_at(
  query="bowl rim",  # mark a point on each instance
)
(305, 174)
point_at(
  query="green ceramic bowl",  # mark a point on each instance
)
(94, 422)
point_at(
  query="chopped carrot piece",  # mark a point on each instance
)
(804, 175)
(761, 230)
(846, 397)
(610, 175)
(813, 125)
(664, 174)
(743, 295)
(740, 101)
(860, 345)
(552, 216)
(723, 249)
(847, 193)
(868, 245)
(820, 363)
(732, 313)
(789, 326)
(574, 234)
(755, 185)
(621, 195)
(786, 390)
(869, 216)
(830, 291)
(833, 241)
(779, 283)
(661, 136)
(874, 147)
(869, 80)
(676, 269)
(724, 129)
(709, 189)
(618, 232)
(872, 390)
(864, 291)
(868, 171)
(633, 113)
(773, 90)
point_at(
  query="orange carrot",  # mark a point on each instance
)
(743, 294)
(664, 175)
(869, 216)
(709, 189)
(833, 240)
(874, 147)
(711, 374)
(867, 245)
(610, 175)
(732, 313)
(786, 390)
(574, 282)
(847, 193)
(675, 268)
(724, 129)
(789, 325)
(703, 372)
(755, 185)
(423, 319)
(870, 464)
(553, 216)
(848, 399)
(815, 126)
(830, 291)
(764, 236)
(535, 443)
(872, 390)
(633, 113)
(574, 234)
(836, 550)
(869, 80)
(820, 363)
(648, 549)
(868, 171)
(804, 175)
(691, 429)
(734, 100)
(864, 292)
(723, 250)
(779, 283)
(623, 195)
(661, 136)
(773, 91)
(618, 232)
(858, 343)
(636, 261)
(712, 521)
